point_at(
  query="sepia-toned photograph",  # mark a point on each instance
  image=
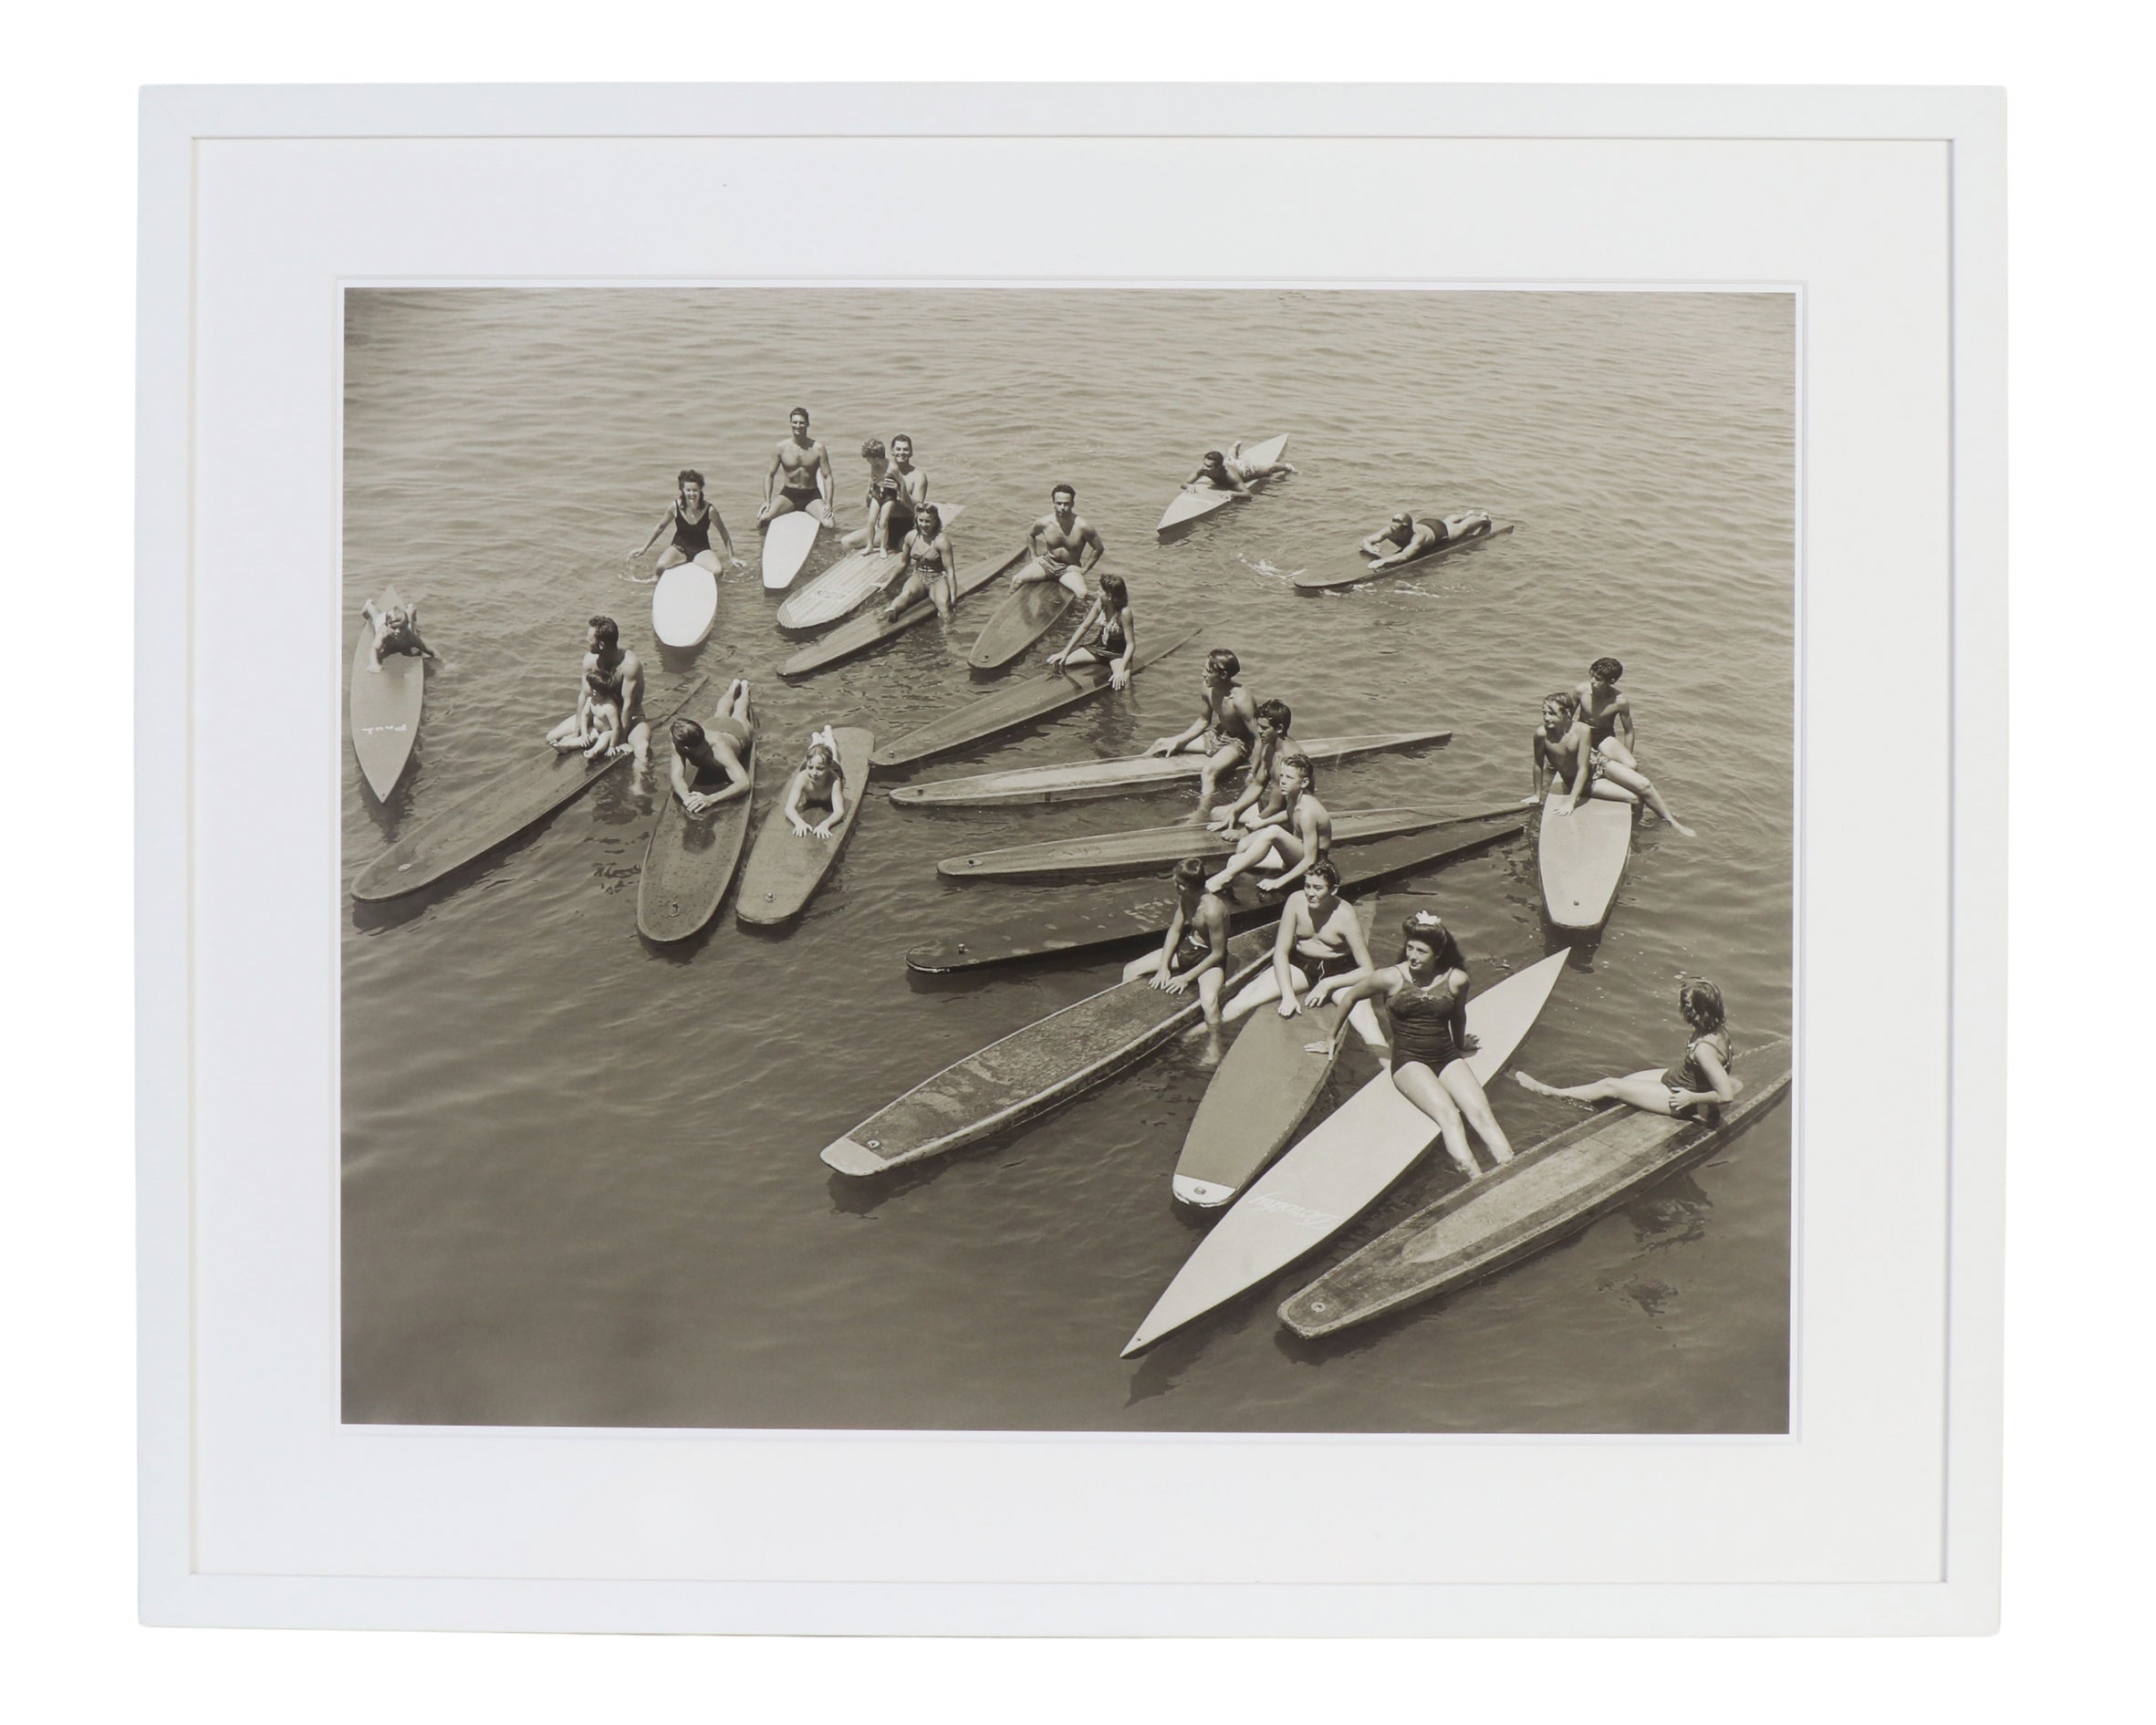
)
(1108, 861)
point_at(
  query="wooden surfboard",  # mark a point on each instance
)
(385, 706)
(783, 869)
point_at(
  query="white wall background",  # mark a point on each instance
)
(2077, 1523)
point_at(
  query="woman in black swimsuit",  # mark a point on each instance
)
(1112, 638)
(1425, 998)
(1690, 1089)
(691, 520)
(931, 565)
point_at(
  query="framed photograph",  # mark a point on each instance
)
(1242, 874)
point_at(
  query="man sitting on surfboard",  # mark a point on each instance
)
(1065, 545)
(711, 765)
(692, 519)
(1607, 712)
(1224, 727)
(1269, 742)
(800, 476)
(1406, 538)
(1196, 947)
(1294, 838)
(1564, 755)
(620, 676)
(396, 630)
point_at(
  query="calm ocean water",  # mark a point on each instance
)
(580, 1175)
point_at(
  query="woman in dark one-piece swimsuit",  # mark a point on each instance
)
(1690, 1090)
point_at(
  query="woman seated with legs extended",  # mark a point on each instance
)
(1690, 1090)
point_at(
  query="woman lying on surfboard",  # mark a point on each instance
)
(930, 566)
(1688, 1090)
(1318, 952)
(396, 630)
(1196, 947)
(691, 520)
(1405, 538)
(1564, 755)
(1104, 634)
(711, 766)
(1296, 836)
(817, 781)
(1426, 999)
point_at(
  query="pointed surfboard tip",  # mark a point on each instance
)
(1135, 1345)
(849, 1158)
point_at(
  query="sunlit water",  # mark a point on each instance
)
(580, 1175)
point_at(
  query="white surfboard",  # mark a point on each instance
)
(684, 606)
(787, 541)
(1340, 1168)
(1581, 856)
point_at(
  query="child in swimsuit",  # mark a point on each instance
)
(817, 780)
(1690, 1090)
(599, 716)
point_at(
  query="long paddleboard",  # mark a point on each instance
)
(787, 541)
(1107, 852)
(1311, 581)
(689, 862)
(490, 817)
(1110, 923)
(1023, 617)
(1543, 1194)
(1072, 781)
(1270, 1078)
(858, 634)
(1187, 508)
(1339, 1170)
(1005, 710)
(1032, 1070)
(385, 706)
(684, 606)
(848, 584)
(783, 869)
(1582, 856)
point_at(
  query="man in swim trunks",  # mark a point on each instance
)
(1293, 839)
(690, 519)
(1566, 756)
(1249, 473)
(1065, 545)
(1405, 539)
(613, 671)
(1225, 725)
(1215, 475)
(800, 476)
(396, 630)
(1196, 947)
(1607, 712)
(1270, 722)
(711, 763)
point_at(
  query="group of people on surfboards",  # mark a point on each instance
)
(1583, 746)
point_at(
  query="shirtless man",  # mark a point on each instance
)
(1225, 728)
(610, 670)
(1406, 538)
(1607, 712)
(1248, 472)
(1270, 722)
(1215, 475)
(710, 764)
(1565, 755)
(396, 630)
(1297, 836)
(1064, 545)
(1196, 947)
(895, 497)
(800, 476)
